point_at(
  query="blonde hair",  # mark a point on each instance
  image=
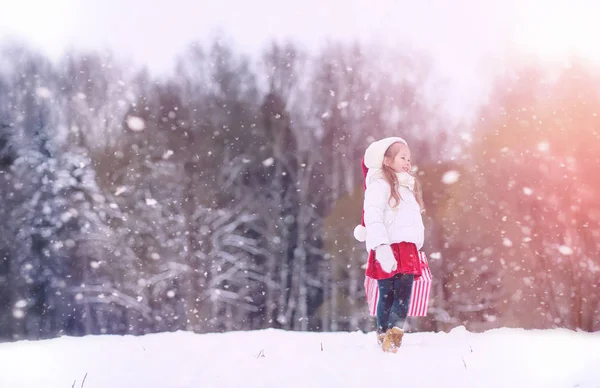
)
(392, 179)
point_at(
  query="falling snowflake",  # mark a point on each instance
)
(120, 190)
(43, 92)
(151, 202)
(281, 319)
(466, 137)
(268, 162)
(167, 154)
(170, 294)
(527, 191)
(450, 177)
(543, 146)
(21, 304)
(506, 242)
(68, 215)
(18, 314)
(528, 281)
(565, 250)
(136, 124)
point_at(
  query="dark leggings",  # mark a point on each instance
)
(394, 295)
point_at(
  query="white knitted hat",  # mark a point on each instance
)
(376, 150)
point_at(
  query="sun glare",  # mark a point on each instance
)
(555, 30)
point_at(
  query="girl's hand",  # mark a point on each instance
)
(385, 257)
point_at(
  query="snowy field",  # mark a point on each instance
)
(275, 358)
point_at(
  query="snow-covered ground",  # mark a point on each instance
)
(275, 358)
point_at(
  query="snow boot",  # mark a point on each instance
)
(380, 337)
(392, 340)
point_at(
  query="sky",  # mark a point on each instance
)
(470, 40)
(154, 33)
(494, 359)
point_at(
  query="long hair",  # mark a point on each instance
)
(392, 179)
(419, 194)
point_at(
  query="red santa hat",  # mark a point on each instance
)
(371, 163)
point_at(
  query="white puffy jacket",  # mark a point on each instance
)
(387, 225)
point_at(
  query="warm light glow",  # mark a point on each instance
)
(555, 30)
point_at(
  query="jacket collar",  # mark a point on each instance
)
(404, 178)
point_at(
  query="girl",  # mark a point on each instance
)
(394, 232)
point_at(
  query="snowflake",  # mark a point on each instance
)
(43, 92)
(268, 162)
(167, 154)
(21, 304)
(68, 215)
(450, 177)
(543, 146)
(136, 124)
(565, 250)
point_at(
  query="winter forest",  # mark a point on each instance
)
(224, 197)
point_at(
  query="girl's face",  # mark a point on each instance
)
(401, 161)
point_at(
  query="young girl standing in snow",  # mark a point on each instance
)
(393, 231)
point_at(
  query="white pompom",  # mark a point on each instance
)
(360, 233)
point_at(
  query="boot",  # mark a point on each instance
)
(392, 340)
(380, 337)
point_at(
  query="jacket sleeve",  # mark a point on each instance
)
(376, 197)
